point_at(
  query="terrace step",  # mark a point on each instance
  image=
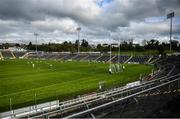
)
(99, 57)
(149, 59)
(111, 58)
(13, 55)
(1, 56)
(128, 59)
(25, 55)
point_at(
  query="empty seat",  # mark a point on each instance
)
(140, 59)
(104, 58)
(18, 54)
(7, 54)
(121, 59)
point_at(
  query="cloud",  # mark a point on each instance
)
(56, 20)
(50, 25)
(85, 10)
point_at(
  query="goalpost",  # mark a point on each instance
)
(115, 67)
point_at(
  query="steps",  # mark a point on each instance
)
(14, 57)
(128, 59)
(1, 56)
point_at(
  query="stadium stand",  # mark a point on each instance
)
(1, 57)
(34, 55)
(49, 56)
(122, 58)
(70, 56)
(62, 55)
(139, 59)
(104, 58)
(92, 57)
(80, 57)
(18, 54)
(154, 58)
(95, 56)
(7, 54)
(13, 55)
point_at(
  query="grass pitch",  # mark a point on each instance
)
(51, 80)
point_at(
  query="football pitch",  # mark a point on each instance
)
(51, 80)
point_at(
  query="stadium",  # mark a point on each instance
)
(48, 74)
(92, 72)
(40, 83)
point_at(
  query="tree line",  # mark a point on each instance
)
(84, 46)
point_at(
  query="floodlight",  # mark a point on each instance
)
(36, 35)
(170, 16)
(78, 30)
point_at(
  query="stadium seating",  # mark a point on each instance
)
(155, 57)
(70, 56)
(62, 55)
(80, 57)
(139, 59)
(35, 55)
(122, 58)
(48, 56)
(94, 56)
(104, 58)
(7, 54)
(18, 54)
(91, 57)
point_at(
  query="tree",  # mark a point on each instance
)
(161, 50)
(84, 43)
(6, 45)
(76, 43)
(99, 47)
(29, 46)
(17, 45)
(174, 44)
(152, 44)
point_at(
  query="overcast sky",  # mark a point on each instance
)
(102, 21)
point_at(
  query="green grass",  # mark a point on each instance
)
(19, 81)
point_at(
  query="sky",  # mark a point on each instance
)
(101, 21)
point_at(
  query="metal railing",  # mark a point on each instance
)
(106, 95)
(124, 98)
